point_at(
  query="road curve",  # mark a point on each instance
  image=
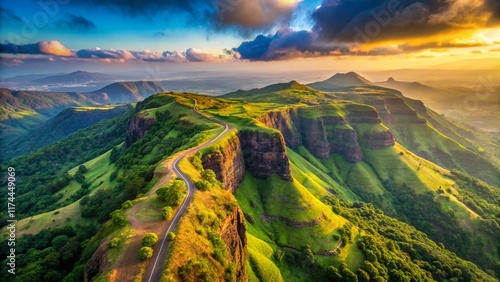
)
(155, 266)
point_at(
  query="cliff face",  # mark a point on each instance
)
(265, 154)
(232, 232)
(97, 263)
(137, 128)
(228, 164)
(379, 140)
(327, 134)
(399, 109)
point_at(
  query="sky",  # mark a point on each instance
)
(48, 36)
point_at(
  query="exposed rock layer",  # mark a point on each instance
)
(233, 234)
(137, 128)
(228, 164)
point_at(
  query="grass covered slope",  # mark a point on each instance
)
(346, 202)
(60, 126)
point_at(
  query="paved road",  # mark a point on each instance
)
(155, 266)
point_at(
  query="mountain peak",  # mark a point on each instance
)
(391, 79)
(349, 79)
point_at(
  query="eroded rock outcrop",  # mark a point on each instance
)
(232, 232)
(377, 140)
(398, 107)
(137, 128)
(265, 153)
(97, 263)
(228, 163)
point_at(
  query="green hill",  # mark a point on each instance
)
(358, 183)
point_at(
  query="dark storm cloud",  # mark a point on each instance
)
(283, 45)
(287, 44)
(52, 47)
(77, 23)
(8, 15)
(12, 48)
(360, 21)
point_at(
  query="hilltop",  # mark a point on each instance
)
(340, 80)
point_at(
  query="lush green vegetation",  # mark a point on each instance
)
(394, 216)
(44, 171)
(62, 125)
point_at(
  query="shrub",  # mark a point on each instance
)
(113, 243)
(118, 218)
(127, 205)
(145, 253)
(171, 236)
(82, 169)
(167, 213)
(149, 240)
(172, 194)
(210, 176)
(203, 185)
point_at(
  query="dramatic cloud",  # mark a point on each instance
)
(369, 21)
(251, 15)
(77, 23)
(245, 16)
(7, 15)
(197, 55)
(286, 44)
(104, 54)
(43, 47)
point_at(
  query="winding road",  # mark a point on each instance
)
(155, 266)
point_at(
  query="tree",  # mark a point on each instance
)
(173, 194)
(118, 218)
(333, 273)
(59, 241)
(203, 185)
(307, 256)
(171, 236)
(82, 169)
(145, 253)
(149, 240)
(210, 176)
(127, 205)
(115, 154)
(167, 212)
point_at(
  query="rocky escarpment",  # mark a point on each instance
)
(227, 163)
(377, 140)
(328, 133)
(232, 232)
(137, 128)
(400, 110)
(265, 154)
(97, 263)
(258, 152)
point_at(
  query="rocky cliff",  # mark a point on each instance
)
(228, 163)
(232, 232)
(137, 128)
(400, 110)
(265, 153)
(97, 263)
(327, 133)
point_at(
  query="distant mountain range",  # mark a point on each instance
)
(22, 111)
(76, 77)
